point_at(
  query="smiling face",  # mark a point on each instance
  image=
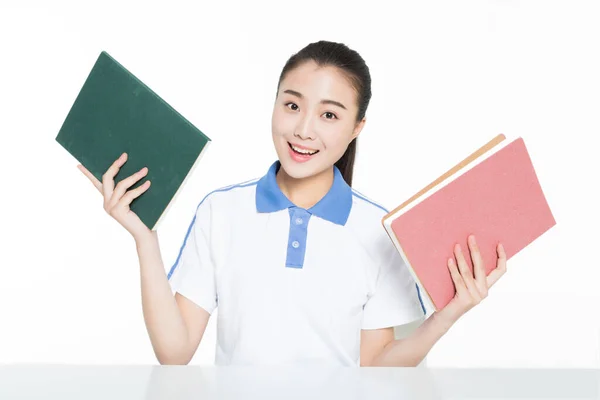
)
(314, 119)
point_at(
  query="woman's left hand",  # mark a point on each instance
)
(471, 287)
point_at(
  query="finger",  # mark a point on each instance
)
(134, 193)
(459, 283)
(108, 183)
(466, 273)
(500, 268)
(97, 184)
(478, 269)
(126, 184)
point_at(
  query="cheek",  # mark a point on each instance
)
(281, 123)
(336, 141)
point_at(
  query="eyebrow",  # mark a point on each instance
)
(299, 95)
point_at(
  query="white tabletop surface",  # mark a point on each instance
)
(314, 383)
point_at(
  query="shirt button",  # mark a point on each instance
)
(295, 244)
(299, 221)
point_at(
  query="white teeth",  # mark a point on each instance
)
(308, 152)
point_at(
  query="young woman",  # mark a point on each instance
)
(296, 261)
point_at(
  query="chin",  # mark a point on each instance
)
(296, 170)
(303, 170)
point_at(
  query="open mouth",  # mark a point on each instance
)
(302, 152)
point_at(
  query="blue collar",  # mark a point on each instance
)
(334, 206)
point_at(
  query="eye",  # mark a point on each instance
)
(330, 115)
(294, 106)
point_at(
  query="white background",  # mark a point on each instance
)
(447, 76)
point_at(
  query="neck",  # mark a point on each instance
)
(305, 192)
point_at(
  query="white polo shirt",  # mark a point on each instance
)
(293, 285)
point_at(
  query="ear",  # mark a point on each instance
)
(358, 128)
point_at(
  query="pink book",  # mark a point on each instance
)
(494, 194)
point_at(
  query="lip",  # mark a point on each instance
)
(297, 157)
(302, 147)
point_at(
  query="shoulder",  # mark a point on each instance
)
(365, 223)
(232, 195)
(365, 210)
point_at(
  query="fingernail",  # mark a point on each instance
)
(450, 261)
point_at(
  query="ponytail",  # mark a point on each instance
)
(346, 163)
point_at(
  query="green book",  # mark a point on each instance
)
(116, 113)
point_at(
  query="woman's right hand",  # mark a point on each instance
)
(117, 199)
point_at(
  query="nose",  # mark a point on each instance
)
(304, 129)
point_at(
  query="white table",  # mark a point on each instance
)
(313, 383)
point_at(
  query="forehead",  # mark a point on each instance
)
(319, 82)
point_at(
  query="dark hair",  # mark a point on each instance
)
(338, 55)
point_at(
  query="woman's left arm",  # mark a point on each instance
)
(471, 289)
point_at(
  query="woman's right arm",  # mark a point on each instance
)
(174, 323)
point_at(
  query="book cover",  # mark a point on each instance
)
(498, 198)
(116, 113)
